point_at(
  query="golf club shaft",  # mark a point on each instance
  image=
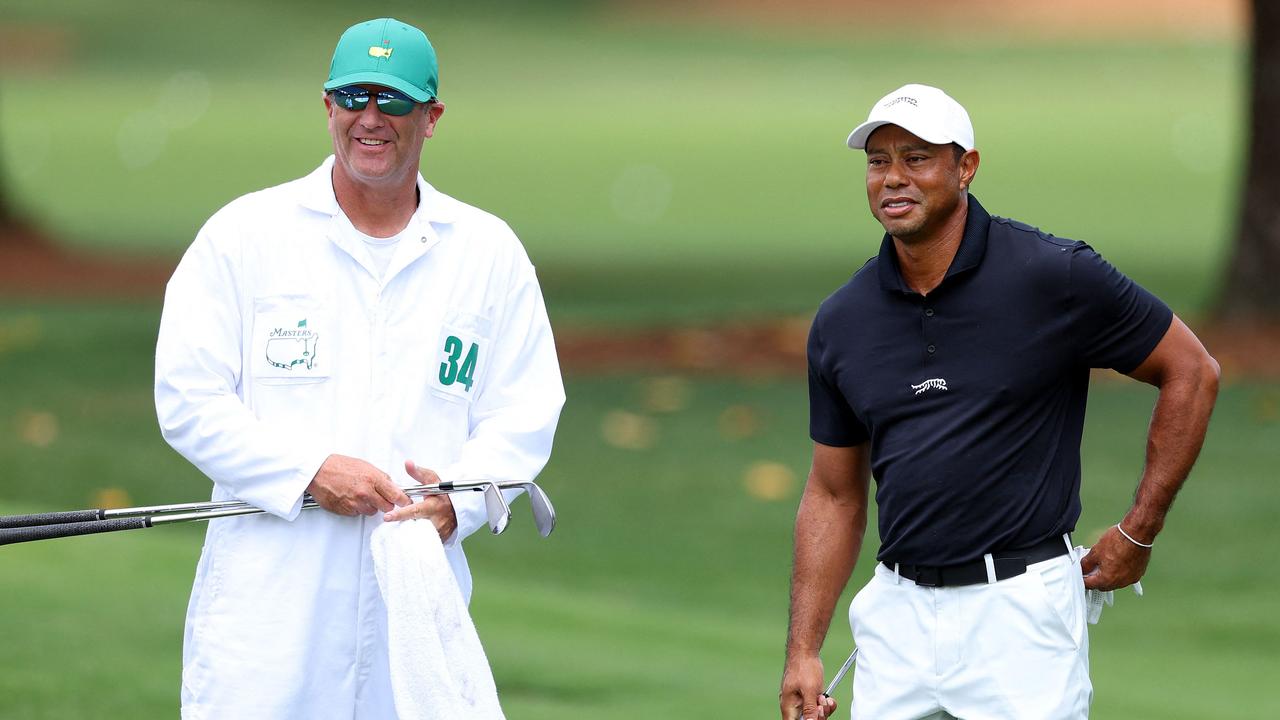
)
(835, 681)
(42, 526)
(82, 516)
(77, 516)
(188, 511)
(208, 511)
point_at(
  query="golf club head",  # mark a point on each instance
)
(499, 514)
(544, 513)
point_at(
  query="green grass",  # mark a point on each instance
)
(622, 152)
(664, 588)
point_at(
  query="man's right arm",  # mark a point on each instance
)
(830, 526)
(198, 369)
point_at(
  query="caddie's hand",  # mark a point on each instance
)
(351, 486)
(436, 508)
(1113, 562)
(801, 696)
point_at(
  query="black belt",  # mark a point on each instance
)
(1008, 563)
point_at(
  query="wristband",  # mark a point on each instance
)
(1129, 537)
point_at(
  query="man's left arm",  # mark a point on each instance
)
(1187, 377)
(514, 417)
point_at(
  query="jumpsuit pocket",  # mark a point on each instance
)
(292, 341)
(462, 355)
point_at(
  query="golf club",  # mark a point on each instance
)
(544, 513)
(835, 682)
(498, 512)
(41, 526)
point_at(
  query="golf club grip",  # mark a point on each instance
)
(9, 536)
(70, 516)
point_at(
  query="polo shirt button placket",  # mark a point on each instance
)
(931, 348)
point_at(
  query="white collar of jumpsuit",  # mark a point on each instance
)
(434, 208)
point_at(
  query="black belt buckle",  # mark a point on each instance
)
(926, 576)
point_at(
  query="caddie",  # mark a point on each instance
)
(346, 334)
(954, 368)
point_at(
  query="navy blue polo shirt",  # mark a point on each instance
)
(973, 397)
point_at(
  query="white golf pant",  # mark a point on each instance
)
(1017, 649)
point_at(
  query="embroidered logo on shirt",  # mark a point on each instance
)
(289, 347)
(931, 384)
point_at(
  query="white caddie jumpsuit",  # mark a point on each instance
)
(278, 346)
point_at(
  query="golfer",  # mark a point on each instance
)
(953, 368)
(345, 334)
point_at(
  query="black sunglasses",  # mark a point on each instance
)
(391, 102)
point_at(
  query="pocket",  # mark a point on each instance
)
(462, 354)
(857, 606)
(219, 549)
(292, 342)
(1062, 588)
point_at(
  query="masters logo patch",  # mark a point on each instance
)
(288, 348)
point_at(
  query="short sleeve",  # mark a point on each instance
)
(831, 420)
(1118, 323)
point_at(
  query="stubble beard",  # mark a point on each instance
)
(373, 175)
(904, 229)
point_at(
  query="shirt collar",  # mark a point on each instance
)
(973, 246)
(317, 195)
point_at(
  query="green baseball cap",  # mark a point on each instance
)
(385, 52)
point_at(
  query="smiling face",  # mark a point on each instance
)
(916, 188)
(376, 149)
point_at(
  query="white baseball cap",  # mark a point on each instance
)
(926, 112)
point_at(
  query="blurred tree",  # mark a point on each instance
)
(6, 212)
(15, 231)
(8, 216)
(1250, 291)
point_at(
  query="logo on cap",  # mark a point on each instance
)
(891, 103)
(382, 52)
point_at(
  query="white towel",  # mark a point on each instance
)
(438, 668)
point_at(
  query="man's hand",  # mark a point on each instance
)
(350, 486)
(436, 508)
(1113, 562)
(801, 695)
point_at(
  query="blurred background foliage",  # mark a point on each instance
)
(632, 153)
